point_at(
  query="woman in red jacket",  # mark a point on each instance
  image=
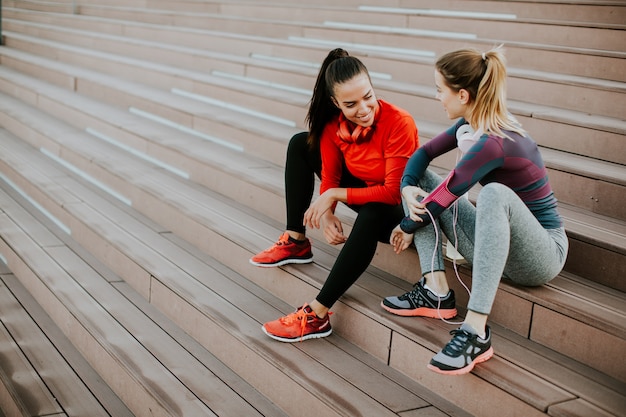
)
(358, 146)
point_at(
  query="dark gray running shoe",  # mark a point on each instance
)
(420, 302)
(461, 353)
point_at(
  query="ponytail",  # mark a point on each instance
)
(338, 67)
(483, 76)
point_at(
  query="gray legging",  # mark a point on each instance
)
(499, 237)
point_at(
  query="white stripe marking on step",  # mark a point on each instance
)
(38, 206)
(137, 153)
(87, 177)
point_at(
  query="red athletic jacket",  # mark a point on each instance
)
(378, 159)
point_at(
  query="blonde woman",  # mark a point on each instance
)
(514, 231)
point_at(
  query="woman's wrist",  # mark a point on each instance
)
(339, 194)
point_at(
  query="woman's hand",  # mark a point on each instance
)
(333, 230)
(319, 214)
(400, 240)
(410, 194)
(317, 209)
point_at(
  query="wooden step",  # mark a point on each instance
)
(43, 372)
(557, 128)
(69, 76)
(261, 177)
(124, 191)
(226, 232)
(207, 393)
(571, 60)
(148, 369)
(552, 91)
(504, 28)
(583, 13)
(606, 11)
(527, 376)
(492, 25)
(220, 310)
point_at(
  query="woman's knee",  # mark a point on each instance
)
(494, 193)
(372, 213)
(298, 142)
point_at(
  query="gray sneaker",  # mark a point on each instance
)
(420, 302)
(461, 353)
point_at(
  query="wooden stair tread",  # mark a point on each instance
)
(603, 233)
(157, 14)
(546, 114)
(17, 376)
(73, 387)
(389, 393)
(187, 193)
(212, 390)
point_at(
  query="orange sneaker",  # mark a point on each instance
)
(300, 325)
(285, 251)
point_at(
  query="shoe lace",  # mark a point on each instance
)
(415, 295)
(299, 315)
(282, 240)
(458, 342)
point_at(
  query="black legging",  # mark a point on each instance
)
(373, 224)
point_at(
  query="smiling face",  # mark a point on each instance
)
(455, 103)
(356, 99)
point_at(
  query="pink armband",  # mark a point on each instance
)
(441, 195)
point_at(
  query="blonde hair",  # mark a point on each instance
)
(483, 76)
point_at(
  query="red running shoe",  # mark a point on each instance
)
(285, 251)
(300, 325)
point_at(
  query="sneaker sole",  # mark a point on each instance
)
(283, 262)
(462, 371)
(423, 312)
(298, 339)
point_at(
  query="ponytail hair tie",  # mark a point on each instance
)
(484, 57)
